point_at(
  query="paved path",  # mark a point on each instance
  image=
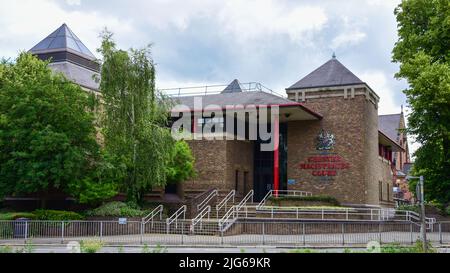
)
(333, 239)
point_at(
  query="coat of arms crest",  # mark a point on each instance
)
(325, 141)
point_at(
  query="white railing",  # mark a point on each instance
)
(157, 211)
(214, 89)
(174, 218)
(283, 193)
(234, 211)
(225, 201)
(208, 198)
(228, 219)
(200, 218)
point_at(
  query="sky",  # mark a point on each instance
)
(199, 42)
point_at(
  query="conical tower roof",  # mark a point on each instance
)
(233, 87)
(63, 39)
(332, 73)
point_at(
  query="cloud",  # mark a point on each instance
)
(261, 19)
(348, 39)
(379, 83)
(73, 2)
(25, 23)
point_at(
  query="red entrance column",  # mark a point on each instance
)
(276, 161)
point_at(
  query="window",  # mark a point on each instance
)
(380, 190)
(245, 182)
(216, 124)
(388, 188)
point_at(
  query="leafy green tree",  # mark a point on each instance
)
(181, 166)
(423, 51)
(135, 120)
(47, 134)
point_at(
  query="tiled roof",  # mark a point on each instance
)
(389, 125)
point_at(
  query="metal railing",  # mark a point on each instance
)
(208, 198)
(200, 218)
(283, 193)
(232, 214)
(157, 211)
(224, 202)
(249, 232)
(175, 217)
(214, 89)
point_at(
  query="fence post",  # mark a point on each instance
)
(264, 234)
(26, 231)
(182, 233)
(411, 232)
(304, 239)
(343, 234)
(221, 236)
(379, 232)
(101, 230)
(142, 232)
(62, 232)
(440, 233)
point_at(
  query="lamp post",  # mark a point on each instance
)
(421, 196)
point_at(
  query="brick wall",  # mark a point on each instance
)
(216, 162)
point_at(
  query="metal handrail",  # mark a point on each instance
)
(225, 200)
(245, 200)
(207, 199)
(235, 209)
(151, 215)
(214, 89)
(198, 219)
(227, 216)
(175, 216)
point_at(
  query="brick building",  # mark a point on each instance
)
(331, 139)
(331, 142)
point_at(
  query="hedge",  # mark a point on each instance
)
(116, 209)
(317, 198)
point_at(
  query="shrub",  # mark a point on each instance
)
(90, 246)
(317, 198)
(409, 208)
(6, 249)
(447, 210)
(57, 215)
(16, 215)
(116, 209)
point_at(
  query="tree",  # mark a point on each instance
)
(181, 166)
(135, 117)
(47, 134)
(423, 51)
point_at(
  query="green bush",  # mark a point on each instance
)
(6, 216)
(447, 211)
(90, 246)
(57, 215)
(6, 249)
(116, 209)
(414, 208)
(317, 198)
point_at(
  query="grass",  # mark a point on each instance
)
(388, 248)
(90, 246)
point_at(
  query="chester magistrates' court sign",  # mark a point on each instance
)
(325, 164)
